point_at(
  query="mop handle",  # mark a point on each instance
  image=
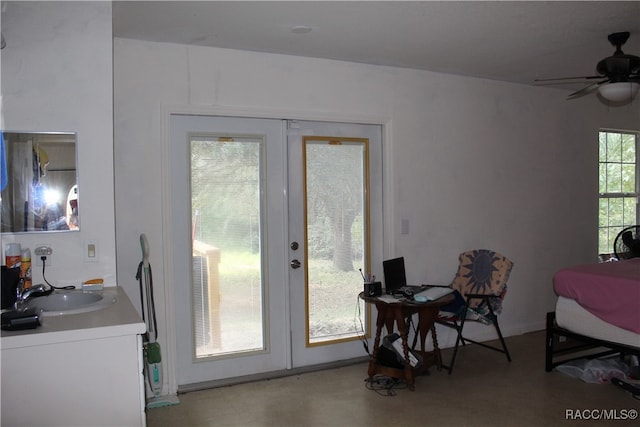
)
(144, 273)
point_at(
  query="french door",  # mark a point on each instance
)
(260, 284)
(335, 211)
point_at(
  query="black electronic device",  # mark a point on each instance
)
(373, 289)
(407, 293)
(16, 320)
(394, 274)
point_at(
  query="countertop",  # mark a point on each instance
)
(118, 319)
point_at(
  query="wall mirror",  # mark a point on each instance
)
(40, 193)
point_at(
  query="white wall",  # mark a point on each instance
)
(57, 76)
(471, 163)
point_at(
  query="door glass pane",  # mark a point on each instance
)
(336, 227)
(226, 210)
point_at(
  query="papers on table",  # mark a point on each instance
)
(433, 293)
(388, 299)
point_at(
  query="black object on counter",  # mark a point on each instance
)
(10, 280)
(16, 320)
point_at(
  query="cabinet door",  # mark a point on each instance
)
(90, 372)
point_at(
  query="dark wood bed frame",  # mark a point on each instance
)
(564, 343)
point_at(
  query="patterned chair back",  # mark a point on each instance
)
(482, 271)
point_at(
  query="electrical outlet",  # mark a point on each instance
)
(43, 250)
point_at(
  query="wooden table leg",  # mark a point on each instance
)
(426, 319)
(380, 321)
(404, 336)
(436, 348)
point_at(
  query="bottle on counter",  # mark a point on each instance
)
(25, 268)
(12, 255)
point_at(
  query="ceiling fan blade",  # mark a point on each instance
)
(586, 90)
(557, 79)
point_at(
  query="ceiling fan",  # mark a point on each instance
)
(618, 75)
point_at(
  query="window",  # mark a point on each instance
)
(619, 183)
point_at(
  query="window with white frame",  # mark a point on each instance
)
(619, 186)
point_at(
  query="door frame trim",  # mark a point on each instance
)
(167, 110)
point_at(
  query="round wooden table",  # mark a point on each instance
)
(390, 313)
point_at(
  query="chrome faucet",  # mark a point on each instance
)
(22, 295)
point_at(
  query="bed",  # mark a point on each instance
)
(597, 312)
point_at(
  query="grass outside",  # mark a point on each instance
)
(333, 301)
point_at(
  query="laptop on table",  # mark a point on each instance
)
(395, 281)
(395, 277)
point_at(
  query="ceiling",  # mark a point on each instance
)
(508, 41)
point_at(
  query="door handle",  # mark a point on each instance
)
(295, 264)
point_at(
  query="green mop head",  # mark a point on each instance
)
(159, 402)
(153, 359)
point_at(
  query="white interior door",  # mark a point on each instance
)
(335, 235)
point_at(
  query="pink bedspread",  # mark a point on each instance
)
(610, 290)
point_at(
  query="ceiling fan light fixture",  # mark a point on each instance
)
(301, 29)
(619, 91)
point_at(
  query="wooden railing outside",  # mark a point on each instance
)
(211, 256)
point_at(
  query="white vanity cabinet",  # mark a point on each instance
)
(76, 370)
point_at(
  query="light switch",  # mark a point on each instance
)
(91, 251)
(404, 226)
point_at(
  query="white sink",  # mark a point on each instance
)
(71, 302)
